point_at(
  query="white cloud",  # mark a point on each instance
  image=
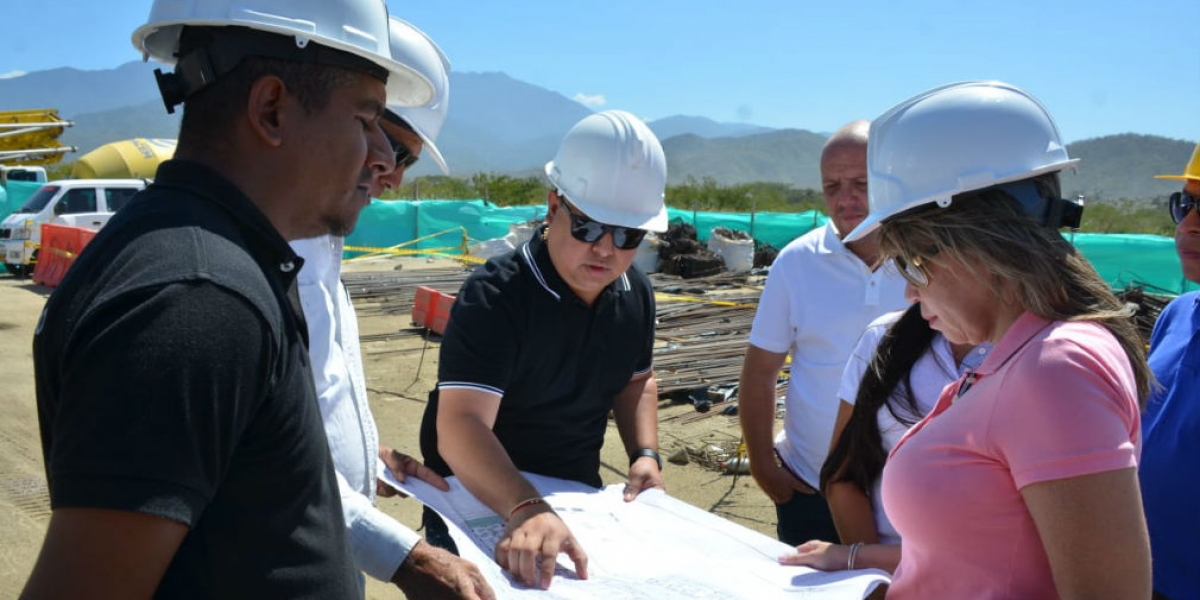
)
(593, 100)
(11, 74)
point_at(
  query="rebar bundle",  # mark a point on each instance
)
(703, 324)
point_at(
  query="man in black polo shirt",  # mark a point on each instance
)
(183, 442)
(543, 342)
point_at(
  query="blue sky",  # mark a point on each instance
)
(1102, 67)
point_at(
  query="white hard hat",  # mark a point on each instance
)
(411, 47)
(356, 27)
(611, 166)
(954, 139)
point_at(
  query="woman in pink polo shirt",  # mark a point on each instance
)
(1021, 483)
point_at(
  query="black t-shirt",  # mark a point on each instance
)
(173, 380)
(517, 330)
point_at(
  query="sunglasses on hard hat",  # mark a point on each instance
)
(590, 232)
(1181, 204)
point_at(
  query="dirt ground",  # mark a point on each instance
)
(400, 371)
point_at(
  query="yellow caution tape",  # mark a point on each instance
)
(438, 252)
(59, 252)
(696, 300)
(398, 251)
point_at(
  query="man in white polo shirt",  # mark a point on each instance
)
(819, 297)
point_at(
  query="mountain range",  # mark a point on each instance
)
(498, 124)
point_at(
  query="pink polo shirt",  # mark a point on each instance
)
(1052, 401)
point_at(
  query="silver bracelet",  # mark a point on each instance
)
(854, 548)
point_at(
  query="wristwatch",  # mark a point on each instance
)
(651, 452)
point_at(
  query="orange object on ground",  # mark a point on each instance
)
(431, 309)
(60, 245)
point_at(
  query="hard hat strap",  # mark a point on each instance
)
(1054, 213)
(209, 53)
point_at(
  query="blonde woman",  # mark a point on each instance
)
(1022, 481)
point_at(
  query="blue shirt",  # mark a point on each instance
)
(1170, 465)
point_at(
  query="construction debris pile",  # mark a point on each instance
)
(703, 324)
(682, 254)
(701, 344)
(764, 255)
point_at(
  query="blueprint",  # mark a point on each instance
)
(656, 547)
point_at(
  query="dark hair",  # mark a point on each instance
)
(209, 114)
(857, 456)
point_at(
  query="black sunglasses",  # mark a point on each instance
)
(404, 156)
(1181, 204)
(590, 232)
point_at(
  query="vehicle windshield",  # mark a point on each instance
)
(22, 175)
(38, 200)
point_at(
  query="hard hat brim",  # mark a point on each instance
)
(1179, 177)
(656, 223)
(874, 220)
(437, 157)
(405, 85)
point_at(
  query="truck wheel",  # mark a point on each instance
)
(17, 271)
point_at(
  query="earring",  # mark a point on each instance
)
(545, 233)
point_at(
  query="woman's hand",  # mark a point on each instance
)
(823, 556)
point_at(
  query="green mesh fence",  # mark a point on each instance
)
(776, 229)
(1121, 259)
(1124, 259)
(14, 194)
(384, 224)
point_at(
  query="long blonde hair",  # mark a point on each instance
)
(1029, 264)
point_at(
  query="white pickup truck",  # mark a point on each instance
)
(77, 202)
(22, 173)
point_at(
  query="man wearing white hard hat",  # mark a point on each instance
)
(183, 441)
(542, 343)
(1171, 422)
(820, 296)
(382, 547)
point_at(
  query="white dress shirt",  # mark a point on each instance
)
(378, 542)
(818, 298)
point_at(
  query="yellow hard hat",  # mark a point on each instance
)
(1192, 172)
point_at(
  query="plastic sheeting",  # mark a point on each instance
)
(776, 229)
(1134, 258)
(1121, 259)
(384, 224)
(14, 194)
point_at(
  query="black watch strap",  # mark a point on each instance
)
(640, 452)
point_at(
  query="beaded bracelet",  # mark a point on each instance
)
(525, 504)
(854, 548)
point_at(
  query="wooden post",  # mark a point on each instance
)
(753, 205)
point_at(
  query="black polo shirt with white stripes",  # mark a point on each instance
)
(518, 331)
